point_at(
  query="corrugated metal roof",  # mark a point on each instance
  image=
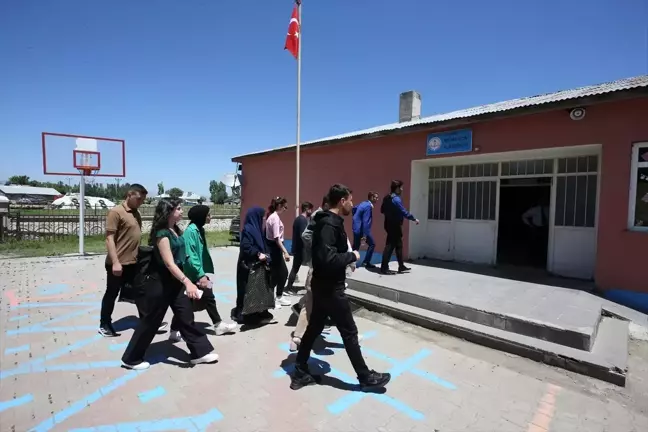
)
(599, 89)
(28, 190)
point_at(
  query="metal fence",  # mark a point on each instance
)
(29, 223)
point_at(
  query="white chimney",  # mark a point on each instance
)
(409, 107)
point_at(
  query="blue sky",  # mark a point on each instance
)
(189, 84)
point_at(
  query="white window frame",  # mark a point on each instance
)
(634, 168)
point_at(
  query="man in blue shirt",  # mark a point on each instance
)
(362, 220)
(394, 211)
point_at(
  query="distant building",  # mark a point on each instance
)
(187, 197)
(29, 194)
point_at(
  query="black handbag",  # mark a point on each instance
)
(259, 294)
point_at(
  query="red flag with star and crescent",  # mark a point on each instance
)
(292, 39)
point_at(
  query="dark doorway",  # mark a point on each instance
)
(523, 229)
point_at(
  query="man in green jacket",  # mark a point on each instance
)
(198, 263)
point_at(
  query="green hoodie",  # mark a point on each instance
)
(199, 260)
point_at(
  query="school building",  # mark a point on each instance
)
(471, 175)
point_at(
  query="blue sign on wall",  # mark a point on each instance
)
(459, 141)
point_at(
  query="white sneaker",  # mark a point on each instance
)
(175, 336)
(283, 301)
(223, 328)
(140, 366)
(294, 344)
(209, 358)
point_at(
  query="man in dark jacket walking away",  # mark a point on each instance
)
(331, 256)
(394, 211)
(299, 225)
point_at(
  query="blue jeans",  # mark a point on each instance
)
(371, 245)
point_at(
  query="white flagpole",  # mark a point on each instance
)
(299, 50)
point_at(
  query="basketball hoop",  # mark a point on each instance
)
(87, 162)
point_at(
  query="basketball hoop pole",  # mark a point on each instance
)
(82, 212)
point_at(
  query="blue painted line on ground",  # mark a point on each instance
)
(198, 423)
(16, 402)
(43, 329)
(341, 405)
(17, 318)
(40, 327)
(82, 403)
(222, 297)
(338, 339)
(435, 379)
(118, 346)
(226, 282)
(87, 296)
(347, 401)
(53, 289)
(25, 368)
(54, 304)
(16, 349)
(147, 396)
(378, 355)
(69, 367)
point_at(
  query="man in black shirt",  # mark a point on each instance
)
(299, 225)
(331, 257)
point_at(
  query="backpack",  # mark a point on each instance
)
(307, 241)
(143, 268)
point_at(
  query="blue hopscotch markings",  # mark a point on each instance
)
(88, 296)
(418, 372)
(18, 318)
(82, 403)
(347, 401)
(16, 402)
(17, 349)
(40, 327)
(54, 304)
(36, 364)
(147, 396)
(118, 346)
(342, 404)
(222, 296)
(53, 289)
(198, 423)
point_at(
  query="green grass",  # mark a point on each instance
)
(70, 244)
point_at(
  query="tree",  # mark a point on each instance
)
(20, 180)
(217, 192)
(160, 188)
(175, 192)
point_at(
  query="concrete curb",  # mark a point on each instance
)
(523, 346)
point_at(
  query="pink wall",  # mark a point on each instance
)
(371, 164)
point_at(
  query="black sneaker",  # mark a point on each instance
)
(163, 327)
(403, 269)
(302, 377)
(373, 381)
(107, 330)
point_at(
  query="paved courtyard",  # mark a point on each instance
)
(58, 374)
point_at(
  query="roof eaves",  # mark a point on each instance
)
(470, 115)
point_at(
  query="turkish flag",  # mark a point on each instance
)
(292, 39)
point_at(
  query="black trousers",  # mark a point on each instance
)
(114, 285)
(162, 292)
(297, 262)
(278, 269)
(394, 242)
(210, 306)
(242, 274)
(333, 303)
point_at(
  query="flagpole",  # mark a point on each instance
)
(297, 146)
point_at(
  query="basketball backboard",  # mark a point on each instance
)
(75, 155)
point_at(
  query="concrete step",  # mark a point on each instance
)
(607, 361)
(574, 336)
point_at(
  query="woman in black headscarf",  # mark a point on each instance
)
(252, 251)
(196, 267)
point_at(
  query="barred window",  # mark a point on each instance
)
(440, 200)
(476, 200)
